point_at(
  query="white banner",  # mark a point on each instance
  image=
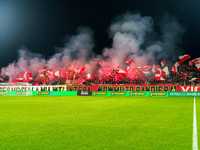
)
(32, 88)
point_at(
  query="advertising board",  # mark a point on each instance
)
(130, 93)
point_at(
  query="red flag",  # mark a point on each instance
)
(30, 76)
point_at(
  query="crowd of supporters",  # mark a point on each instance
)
(184, 76)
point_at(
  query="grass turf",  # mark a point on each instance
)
(96, 123)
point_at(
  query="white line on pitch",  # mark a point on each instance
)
(195, 143)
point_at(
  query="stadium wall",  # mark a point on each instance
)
(124, 87)
(102, 93)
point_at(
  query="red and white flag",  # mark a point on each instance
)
(50, 72)
(163, 63)
(158, 76)
(184, 57)
(194, 79)
(128, 61)
(24, 77)
(11, 64)
(175, 67)
(145, 72)
(27, 75)
(198, 66)
(89, 77)
(185, 73)
(165, 71)
(196, 60)
(147, 67)
(121, 71)
(80, 70)
(57, 74)
(41, 74)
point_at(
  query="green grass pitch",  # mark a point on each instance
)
(112, 123)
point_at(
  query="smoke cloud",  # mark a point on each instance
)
(133, 36)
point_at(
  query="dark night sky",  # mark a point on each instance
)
(41, 25)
